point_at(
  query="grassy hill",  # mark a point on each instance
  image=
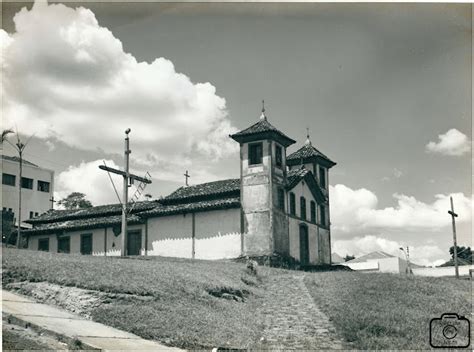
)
(203, 304)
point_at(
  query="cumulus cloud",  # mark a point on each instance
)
(423, 255)
(357, 210)
(452, 143)
(88, 179)
(65, 77)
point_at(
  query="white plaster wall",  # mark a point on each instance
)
(113, 242)
(170, 236)
(443, 271)
(32, 199)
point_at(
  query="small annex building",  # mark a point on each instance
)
(278, 205)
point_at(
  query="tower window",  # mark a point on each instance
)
(26, 182)
(313, 211)
(255, 153)
(278, 156)
(322, 177)
(8, 179)
(322, 217)
(292, 204)
(281, 199)
(43, 186)
(303, 208)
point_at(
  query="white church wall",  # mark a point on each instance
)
(170, 236)
(218, 234)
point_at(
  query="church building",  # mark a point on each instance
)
(278, 205)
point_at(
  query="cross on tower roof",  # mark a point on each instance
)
(263, 116)
(186, 175)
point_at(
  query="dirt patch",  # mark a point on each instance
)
(229, 293)
(73, 299)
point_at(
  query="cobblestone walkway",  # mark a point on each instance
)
(292, 320)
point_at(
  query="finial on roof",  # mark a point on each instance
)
(308, 141)
(262, 116)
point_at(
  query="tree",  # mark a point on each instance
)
(5, 133)
(75, 200)
(464, 253)
(348, 257)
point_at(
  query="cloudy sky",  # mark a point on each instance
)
(384, 89)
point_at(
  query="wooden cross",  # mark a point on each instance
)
(455, 248)
(52, 202)
(186, 175)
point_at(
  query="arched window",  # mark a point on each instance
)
(303, 208)
(292, 204)
(313, 211)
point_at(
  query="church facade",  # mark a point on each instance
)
(279, 205)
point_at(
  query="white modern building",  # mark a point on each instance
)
(36, 188)
(379, 262)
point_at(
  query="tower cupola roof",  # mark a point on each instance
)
(262, 130)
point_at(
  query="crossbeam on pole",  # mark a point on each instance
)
(122, 173)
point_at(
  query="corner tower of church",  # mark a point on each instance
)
(263, 179)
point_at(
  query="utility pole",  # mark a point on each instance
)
(125, 193)
(455, 248)
(20, 148)
(127, 177)
(407, 256)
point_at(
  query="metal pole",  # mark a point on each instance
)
(408, 261)
(18, 236)
(125, 194)
(455, 249)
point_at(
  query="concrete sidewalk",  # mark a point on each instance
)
(71, 326)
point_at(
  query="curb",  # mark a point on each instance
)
(70, 341)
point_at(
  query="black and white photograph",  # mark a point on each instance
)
(236, 176)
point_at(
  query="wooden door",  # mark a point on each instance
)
(304, 245)
(86, 243)
(134, 242)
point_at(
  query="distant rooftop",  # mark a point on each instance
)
(17, 160)
(371, 256)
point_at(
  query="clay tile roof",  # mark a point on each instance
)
(204, 191)
(94, 212)
(294, 176)
(81, 224)
(261, 128)
(307, 151)
(203, 205)
(17, 160)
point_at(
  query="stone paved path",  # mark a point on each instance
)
(292, 319)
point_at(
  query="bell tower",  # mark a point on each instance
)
(262, 190)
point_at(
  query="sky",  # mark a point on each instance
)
(385, 90)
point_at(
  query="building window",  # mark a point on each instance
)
(278, 156)
(281, 199)
(43, 186)
(26, 182)
(292, 204)
(36, 214)
(322, 214)
(43, 244)
(86, 243)
(313, 211)
(303, 208)
(255, 153)
(322, 177)
(9, 180)
(64, 244)
(31, 214)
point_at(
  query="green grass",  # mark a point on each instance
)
(372, 311)
(385, 311)
(182, 312)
